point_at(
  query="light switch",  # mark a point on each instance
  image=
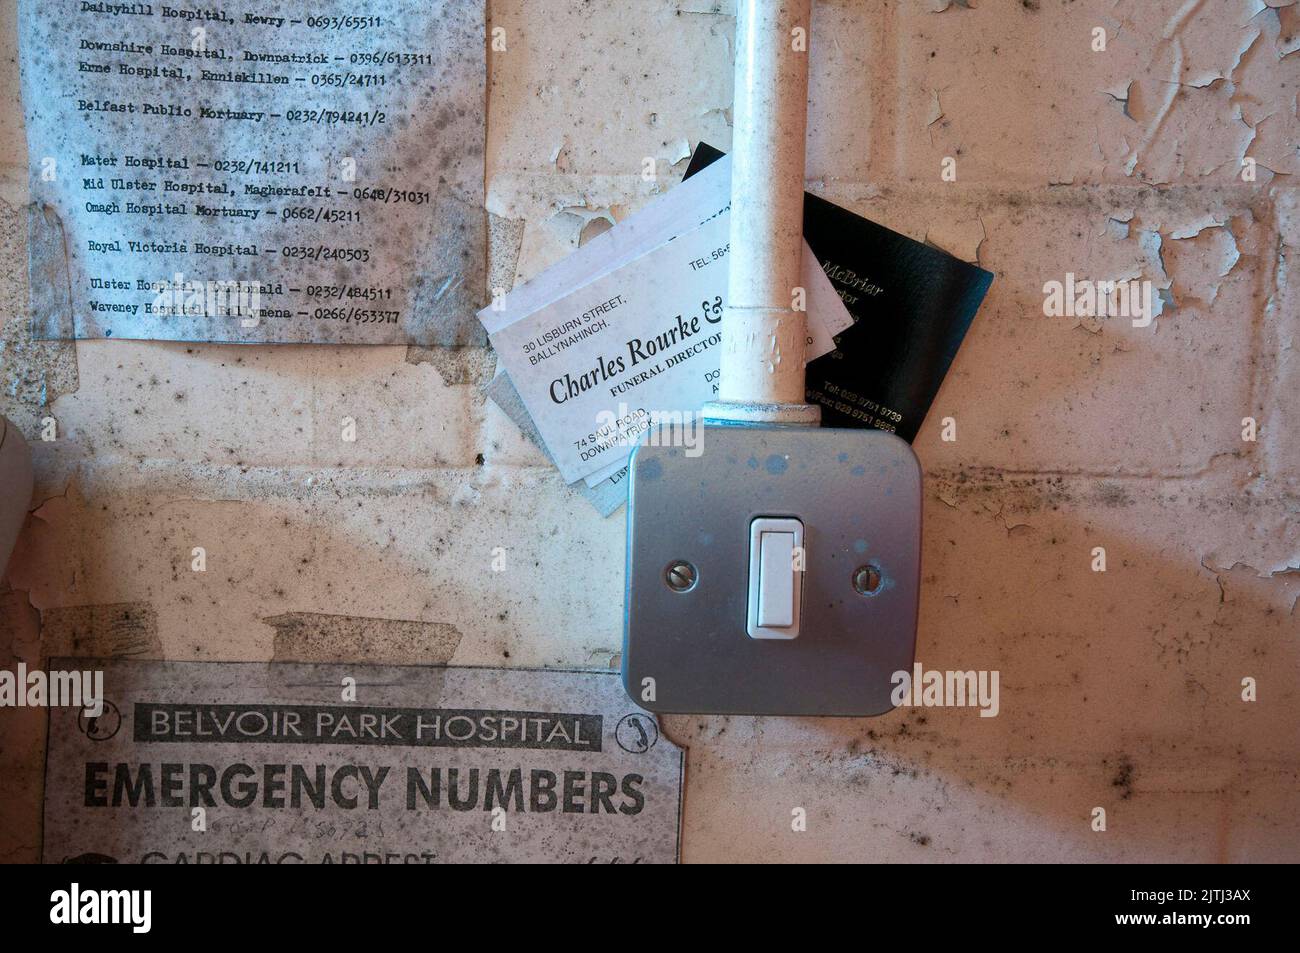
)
(775, 577)
(776, 580)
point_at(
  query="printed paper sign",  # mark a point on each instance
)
(287, 173)
(197, 762)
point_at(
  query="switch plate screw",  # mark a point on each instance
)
(681, 576)
(866, 580)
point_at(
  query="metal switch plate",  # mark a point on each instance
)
(776, 554)
(688, 645)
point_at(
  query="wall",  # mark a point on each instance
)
(1120, 689)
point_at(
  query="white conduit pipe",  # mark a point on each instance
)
(763, 337)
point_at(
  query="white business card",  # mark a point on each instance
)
(687, 205)
(636, 347)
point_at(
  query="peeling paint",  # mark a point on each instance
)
(578, 224)
(1122, 97)
(1198, 259)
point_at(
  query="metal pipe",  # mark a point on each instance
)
(763, 336)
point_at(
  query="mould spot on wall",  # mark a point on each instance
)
(1113, 494)
(1122, 777)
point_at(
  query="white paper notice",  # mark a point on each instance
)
(293, 172)
(635, 348)
(428, 765)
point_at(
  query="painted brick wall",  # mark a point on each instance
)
(1120, 689)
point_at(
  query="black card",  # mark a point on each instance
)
(911, 306)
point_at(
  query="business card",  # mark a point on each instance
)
(911, 306)
(637, 347)
(605, 497)
(685, 207)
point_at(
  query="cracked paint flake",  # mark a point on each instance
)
(1191, 121)
(1288, 33)
(936, 109)
(1121, 96)
(1197, 261)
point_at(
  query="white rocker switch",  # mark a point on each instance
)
(775, 577)
(776, 580)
